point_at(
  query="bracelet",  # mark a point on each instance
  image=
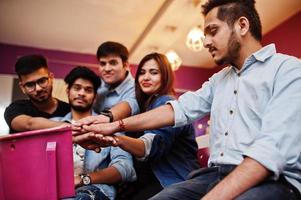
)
(121, 125)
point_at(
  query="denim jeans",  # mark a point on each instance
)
(203, 180)
(89, 192)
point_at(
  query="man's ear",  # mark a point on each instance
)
(22, 87)
(67, 91)
(126, 65)
(51, 75)
(243, 26)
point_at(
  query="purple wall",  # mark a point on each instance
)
(286, 36)
(61, 62)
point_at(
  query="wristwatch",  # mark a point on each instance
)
(107, 113)
(85, 179)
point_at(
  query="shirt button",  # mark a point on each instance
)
(226, 133)
(231, 112)
(235, 91)
(222, 154)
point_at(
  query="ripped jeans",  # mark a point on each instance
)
(89, 192)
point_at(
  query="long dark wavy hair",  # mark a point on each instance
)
(167, 80)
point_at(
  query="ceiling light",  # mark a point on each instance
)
(174, 59)
(194, 40)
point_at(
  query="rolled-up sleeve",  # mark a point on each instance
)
(147, 138)
(123, 162)
(193, 105)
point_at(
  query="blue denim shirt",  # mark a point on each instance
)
(109, 156)
(255, 112)
(107, 98)
(171, 151)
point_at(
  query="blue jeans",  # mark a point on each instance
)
(89, 192)
(203, 180)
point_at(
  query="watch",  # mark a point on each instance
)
(85, 179)
(107, 113)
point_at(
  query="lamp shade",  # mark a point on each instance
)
(174, 59)
(194, 40)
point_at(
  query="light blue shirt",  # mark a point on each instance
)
(107, 98)
(109, 156)
(255, 112)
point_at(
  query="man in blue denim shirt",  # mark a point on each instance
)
(255, 113)
(95, 173)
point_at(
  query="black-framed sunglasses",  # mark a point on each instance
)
(31, 86)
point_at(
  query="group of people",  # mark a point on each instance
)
(253, 105)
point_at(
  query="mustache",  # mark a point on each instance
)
(41, 92)
(80, 98)
(211, 49)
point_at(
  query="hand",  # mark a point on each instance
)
(103, 129)
(95, 119)
(105, 141)
(87, 141)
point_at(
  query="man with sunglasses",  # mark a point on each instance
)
(35, 81)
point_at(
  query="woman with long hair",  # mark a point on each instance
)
(163, 156)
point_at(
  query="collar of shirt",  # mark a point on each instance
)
(68, 117)
(123, 85)
(260, 55)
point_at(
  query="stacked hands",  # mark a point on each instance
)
(94, 132)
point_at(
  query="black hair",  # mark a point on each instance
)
(112, 48)
(84, 73)
(231, 10)
(30, 63)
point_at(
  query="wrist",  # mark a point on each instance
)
(85, 179)
(121, 126)
(108, 114)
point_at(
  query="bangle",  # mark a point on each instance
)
(121, 126)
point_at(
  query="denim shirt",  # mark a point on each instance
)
(171, 151)
(109, 156)
(255, 112)
(107, 98)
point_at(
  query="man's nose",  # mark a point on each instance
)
(38, 87)
(107, 67)
(206, 42)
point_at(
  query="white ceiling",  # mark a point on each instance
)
(142, 25)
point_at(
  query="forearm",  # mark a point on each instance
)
(153, 119)
(41, 123)
(132, 145)
(26, 123)
(246, 175)
(121, 110)
(109, 175)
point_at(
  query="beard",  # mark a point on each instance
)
(81, 108)
(232, 54)
(41, 97)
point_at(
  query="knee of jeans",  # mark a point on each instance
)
(89, 192)
(86, 188)
(83, 196)
(165, 194)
